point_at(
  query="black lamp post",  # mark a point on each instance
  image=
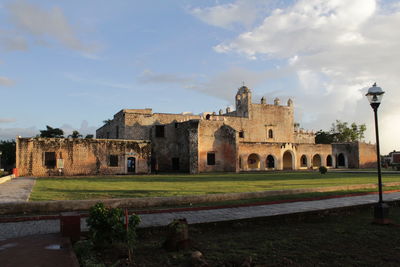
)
(374, 95)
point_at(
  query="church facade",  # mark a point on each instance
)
(253, 137)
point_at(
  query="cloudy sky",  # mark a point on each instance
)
(73, 64)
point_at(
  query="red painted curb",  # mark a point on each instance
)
(57, 217)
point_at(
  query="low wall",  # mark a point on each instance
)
(43, 207)
(6, 178)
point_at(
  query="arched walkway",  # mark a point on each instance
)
(341, 160)
(287, 161)
(316, 161)
(329, 161)
(270, 162)
(303, 161)
(253, 161)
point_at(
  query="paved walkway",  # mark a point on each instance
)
(40, 250)
(19, 229)
(18, 189)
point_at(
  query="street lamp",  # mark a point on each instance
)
(374, 96)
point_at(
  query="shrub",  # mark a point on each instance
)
(323, 170)
(107, 227)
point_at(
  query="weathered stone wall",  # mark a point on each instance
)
(367, 155)
(220, 139)
(80, 156)
(349, 151)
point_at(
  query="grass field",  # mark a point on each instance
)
(55, 188)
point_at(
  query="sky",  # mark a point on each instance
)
(72, 64)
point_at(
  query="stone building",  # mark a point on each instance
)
(252, 137)
(68, 156)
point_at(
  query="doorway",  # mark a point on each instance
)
(131, 165)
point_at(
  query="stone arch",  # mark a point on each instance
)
(253, 161)
(303, 161)
(270, 162)
(287, 160)
(341, 161)
(316, 161)
(329, 161)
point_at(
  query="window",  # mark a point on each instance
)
(208, 116)
(160, 131)
(116, 132)
(113, 161)
(270, 134)
(241, 134)
(210, 158)
(50, 159)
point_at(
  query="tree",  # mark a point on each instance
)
(51, 132)
(7, 157)
(107, 121)
(75, 134)
(89, 136)
(341, 132)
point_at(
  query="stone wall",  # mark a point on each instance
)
(367, 155)
(80, 156)
(218, 139)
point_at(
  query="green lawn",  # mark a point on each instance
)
(55, 188)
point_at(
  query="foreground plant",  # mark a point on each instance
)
(110, 228)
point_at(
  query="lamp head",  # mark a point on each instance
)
(374, 95)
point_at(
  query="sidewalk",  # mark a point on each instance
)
(18, 189)
(46, 226)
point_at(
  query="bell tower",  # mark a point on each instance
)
(243, 102)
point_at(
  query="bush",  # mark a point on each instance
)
(323, 170)
(107, 227)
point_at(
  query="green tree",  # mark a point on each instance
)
(51, 132)
(7, 148)
(89, 136)
(75, 134)
(341, 132)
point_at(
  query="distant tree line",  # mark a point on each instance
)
(341, 132)
(51, 132)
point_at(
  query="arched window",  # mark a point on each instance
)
(303, 161)
(253, 161)
(341, 161)
(270, 162)
(329, 161)
(316, 161)
(270, 133)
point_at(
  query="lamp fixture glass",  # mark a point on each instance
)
(375, 94)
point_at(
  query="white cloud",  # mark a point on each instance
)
(4, 81)
(41, 24)
(240, 12)
(334, 48)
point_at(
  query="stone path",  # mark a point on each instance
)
(18, 229)
(18, 189)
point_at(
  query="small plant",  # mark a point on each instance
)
(323, 170)
(109, 227)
